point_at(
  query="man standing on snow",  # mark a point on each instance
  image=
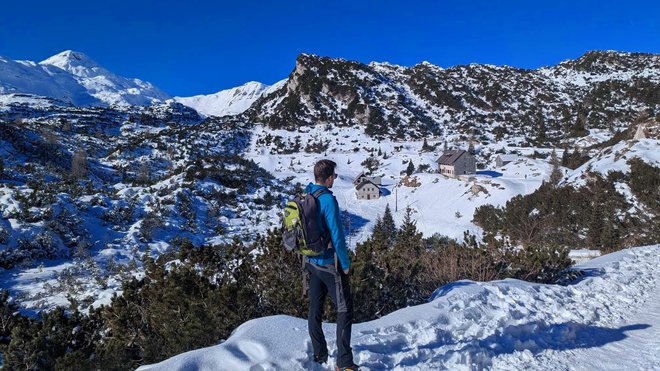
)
(328, 274)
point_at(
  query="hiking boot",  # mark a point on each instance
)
(352, 367)
(321, 359)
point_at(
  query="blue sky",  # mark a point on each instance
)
(199, 47)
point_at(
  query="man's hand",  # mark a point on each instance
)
(346, 271)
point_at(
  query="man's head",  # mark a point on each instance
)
(324, 173)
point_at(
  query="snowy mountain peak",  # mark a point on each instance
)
(230, 101)
(607, 61)
(69, 59)
(253, 84)
(74, 77)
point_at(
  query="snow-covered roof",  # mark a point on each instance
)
(508, 157)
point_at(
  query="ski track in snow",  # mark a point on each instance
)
(609, 319)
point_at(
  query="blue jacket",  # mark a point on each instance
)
(330, 211)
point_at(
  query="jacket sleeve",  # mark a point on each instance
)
(333, 221)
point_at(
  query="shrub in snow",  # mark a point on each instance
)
(4, 234)
(40, 246)
(150, 224)
(371, 164)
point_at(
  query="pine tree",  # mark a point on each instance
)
(408, 237)
(579, 127)
(404, 266)
(556, 175)
(2, 166)
(388, 226)
(426, 147)
(144, 174)
(279, 278)
(541, 131)
(79, 166)
(410, 169)
(368, 278)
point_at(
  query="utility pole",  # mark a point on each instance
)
(396, 196)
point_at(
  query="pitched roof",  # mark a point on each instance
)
(358, 177)
(377, 180)
(365, 182)
(449, 157)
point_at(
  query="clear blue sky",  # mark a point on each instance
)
(189, 47)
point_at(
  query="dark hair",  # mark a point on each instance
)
(323, 170)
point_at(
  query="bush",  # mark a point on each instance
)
(538, 263)
(645, 182)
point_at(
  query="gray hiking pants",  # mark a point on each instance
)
(324, 280)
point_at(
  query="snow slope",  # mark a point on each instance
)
(74, 77)
(28, 77)
(230, 101)
(616, 158)
(440, 204)
(607, 320)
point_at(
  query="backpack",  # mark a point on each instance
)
(302, 231)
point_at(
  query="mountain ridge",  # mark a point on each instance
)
(76, 78)
(230, 101)
(598, 90)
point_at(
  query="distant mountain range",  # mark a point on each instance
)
(75, 78)
(601, 89)
(231, 101)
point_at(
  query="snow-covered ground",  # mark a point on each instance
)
(609, 319)
(616, 158)
(440, 204)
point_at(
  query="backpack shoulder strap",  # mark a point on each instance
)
(316, 195)
(320, 192)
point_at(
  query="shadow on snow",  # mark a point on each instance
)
(534, 337)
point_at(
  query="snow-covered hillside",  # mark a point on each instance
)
(440, 204)
(230, 101)
(609, 319)
(74, 77)
(601, 89)
(157, 172)
(616, 158)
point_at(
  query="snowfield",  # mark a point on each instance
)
(440, 204)
(608, 319)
